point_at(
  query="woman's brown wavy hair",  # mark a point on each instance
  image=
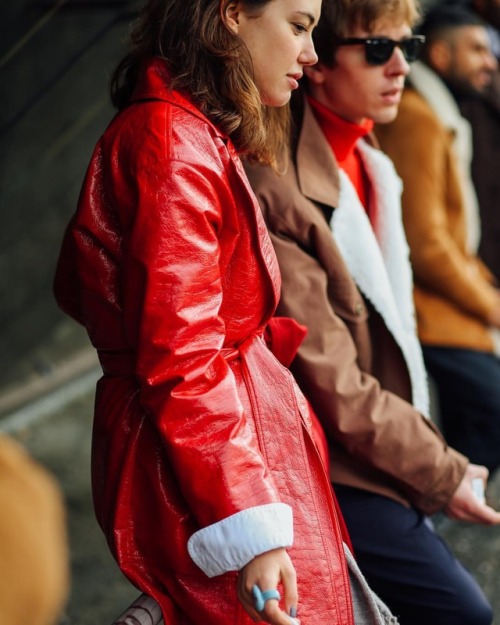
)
(206, 60)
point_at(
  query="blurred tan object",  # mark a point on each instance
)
(34, 574)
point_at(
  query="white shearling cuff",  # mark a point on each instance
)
(231, 543)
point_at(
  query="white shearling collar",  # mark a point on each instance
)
(379, 261)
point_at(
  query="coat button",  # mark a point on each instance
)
(358, 309)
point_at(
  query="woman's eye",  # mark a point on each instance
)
(300, 28)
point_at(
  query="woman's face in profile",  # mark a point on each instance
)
(279, 40)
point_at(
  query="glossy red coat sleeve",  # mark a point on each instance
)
(173, 212)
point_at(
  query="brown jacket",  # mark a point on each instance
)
(33, 548)
(350, 366)
(454, 296)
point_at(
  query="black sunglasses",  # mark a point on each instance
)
(378, 50)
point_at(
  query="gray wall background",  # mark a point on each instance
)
(55, 62)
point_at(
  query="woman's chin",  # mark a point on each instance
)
(277, 100)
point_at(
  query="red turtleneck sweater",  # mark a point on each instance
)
(342, 136)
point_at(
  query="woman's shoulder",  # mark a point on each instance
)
(162, 129)
(175, 116)
(162, 123)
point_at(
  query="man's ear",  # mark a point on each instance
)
(315, 73)
(230, 14)
(439, 55)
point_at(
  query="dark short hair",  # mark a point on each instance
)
(446, 16)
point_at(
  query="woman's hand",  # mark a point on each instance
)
(266, 571)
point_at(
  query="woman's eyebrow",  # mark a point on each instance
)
(309, 16)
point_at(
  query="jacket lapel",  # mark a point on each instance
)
(317, 171)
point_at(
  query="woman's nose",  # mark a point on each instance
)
(308, 55)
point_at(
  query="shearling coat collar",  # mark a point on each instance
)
(378, 261)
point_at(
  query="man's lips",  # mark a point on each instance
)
(392, 95)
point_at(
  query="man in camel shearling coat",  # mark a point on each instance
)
(456, 298)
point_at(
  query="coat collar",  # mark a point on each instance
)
(152, 84)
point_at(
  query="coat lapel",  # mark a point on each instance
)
(317, 171)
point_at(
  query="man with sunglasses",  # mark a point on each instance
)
(335, 222)
(456, 298)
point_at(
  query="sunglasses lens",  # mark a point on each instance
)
(379, 51)
(411, 49)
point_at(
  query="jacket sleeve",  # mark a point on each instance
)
(421, 152)
(172, 209)
(377, 427)
(187, 386)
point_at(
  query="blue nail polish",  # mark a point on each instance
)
(293, 612)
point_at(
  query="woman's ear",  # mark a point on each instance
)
(230, 14)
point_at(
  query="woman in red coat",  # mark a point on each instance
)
(206, 480)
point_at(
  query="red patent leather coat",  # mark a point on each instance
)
(168, 265)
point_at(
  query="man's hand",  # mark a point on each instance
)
(465, 506)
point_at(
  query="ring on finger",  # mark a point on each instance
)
(261, 596)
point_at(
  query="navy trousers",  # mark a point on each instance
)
(408, 565)
(468, 388)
